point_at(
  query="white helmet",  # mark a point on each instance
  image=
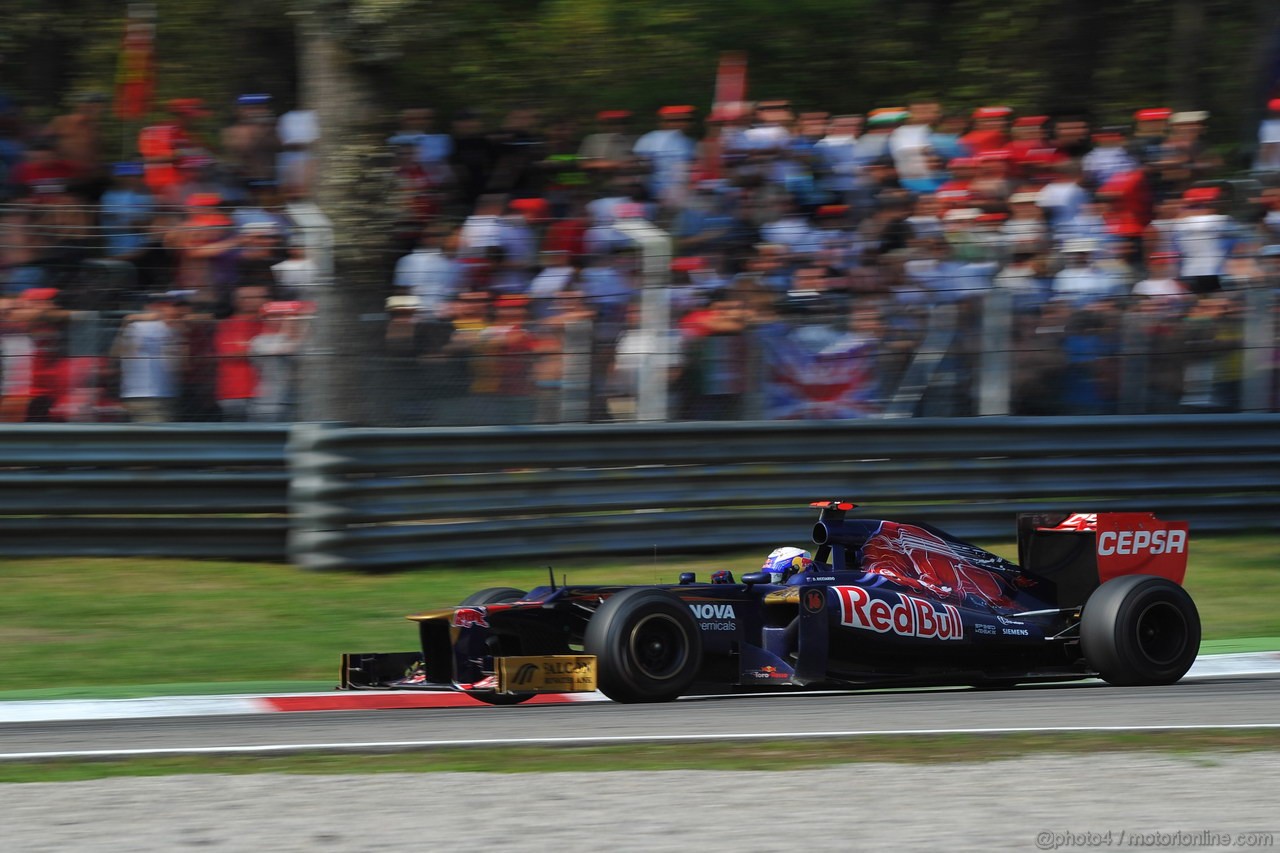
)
(784, 562)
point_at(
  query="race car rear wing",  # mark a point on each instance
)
(1077, 552)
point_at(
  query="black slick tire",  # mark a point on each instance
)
(1140, 630)
(493, 595)
(647, 646)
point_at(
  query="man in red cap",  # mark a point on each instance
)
(668, 153)
(274, 353)
(1269, 139)
(32, 349)
(237, 375)
(990, 130)
(1151, 125)
(1028, 137)
(1203, 237)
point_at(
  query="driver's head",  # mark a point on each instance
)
(784, 562)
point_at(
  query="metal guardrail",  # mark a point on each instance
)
(191, 490)
(372, 499)
(369, 499)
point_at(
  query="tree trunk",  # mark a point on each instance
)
(1188, 32)
(1073, 55)
(1265, 82)
(352, 187)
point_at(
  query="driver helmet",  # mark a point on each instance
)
(784, 562)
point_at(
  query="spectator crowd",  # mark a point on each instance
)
(817, 262)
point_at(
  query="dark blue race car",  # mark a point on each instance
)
(877, 602)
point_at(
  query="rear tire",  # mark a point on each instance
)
(646, 644)
(495, 595)
(1140, 630)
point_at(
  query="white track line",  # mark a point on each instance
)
(617, 740)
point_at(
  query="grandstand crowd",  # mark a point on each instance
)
(817, 261)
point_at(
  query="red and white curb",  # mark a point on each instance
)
(53, 710)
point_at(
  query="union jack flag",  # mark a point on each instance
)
(837, 382)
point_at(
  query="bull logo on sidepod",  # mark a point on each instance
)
(919, 560)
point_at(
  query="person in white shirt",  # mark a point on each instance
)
(1268, 157)
(1082, 281)
(557, 274)
(1202, 236)
(1062, 198)
(296, 275)
(482, 230)
(909, 142)
(299, 131)
(668, 152)
(838, 153)
(429, 273)
(1162, 278)
(148, 347)
(1025, 229)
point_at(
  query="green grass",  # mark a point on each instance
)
(1201, 746)
(73, 627)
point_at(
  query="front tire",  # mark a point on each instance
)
(646, 644)
(1140, 630)
(493, 595)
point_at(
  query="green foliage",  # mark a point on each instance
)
(575, 56)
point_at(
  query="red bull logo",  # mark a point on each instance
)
(470, 617)
(900, 614)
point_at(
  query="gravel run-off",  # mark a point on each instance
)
(1037, 802)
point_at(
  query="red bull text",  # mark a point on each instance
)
(900, 614)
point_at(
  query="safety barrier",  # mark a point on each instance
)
(378, 499)
(192, 490)
(375, 499)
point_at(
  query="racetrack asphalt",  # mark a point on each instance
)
(1214, 702)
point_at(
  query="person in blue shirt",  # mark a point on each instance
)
(127, 211)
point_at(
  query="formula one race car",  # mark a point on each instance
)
(878, 603)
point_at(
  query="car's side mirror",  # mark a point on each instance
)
(755, 577)
(687, 578)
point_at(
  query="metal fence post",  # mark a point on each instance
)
(995, 367)
(1260, 350)
(575, 376)
(315, 391)
(655, 316)
(1135, 346)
